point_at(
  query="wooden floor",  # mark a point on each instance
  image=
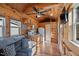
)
(47, 49)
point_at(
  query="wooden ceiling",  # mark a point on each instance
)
(27, 8)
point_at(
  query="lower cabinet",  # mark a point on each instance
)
(33, 51)
(32, 45)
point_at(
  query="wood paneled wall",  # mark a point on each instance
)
(10, 13)
(70, 47)
(54, 32)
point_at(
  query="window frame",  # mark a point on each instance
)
(75, 23)
(73, 40)
(3, 25)
(19, 27)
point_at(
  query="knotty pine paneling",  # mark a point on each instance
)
(10, 13)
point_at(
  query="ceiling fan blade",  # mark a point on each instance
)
(43, 14)
(34, 8)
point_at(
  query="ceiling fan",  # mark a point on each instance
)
(38, 11)
(64, 14)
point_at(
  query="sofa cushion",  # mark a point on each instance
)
(18, 45)
(29, 53)
(21, 54)
(25, 43)
(24, 52)
(10, 50)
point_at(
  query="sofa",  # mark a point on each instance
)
(17, 46)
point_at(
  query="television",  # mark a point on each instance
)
(64, 16)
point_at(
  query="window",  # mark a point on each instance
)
(15, 27)
(76, 23)
(2, 26)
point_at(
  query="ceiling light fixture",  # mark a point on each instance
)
(38, 16)
(51, 14)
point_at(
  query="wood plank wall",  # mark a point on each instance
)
(10, 13)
